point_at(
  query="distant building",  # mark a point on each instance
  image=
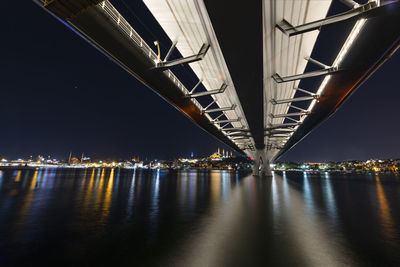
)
(75, 160)
(216, 155)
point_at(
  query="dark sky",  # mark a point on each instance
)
(59, 94)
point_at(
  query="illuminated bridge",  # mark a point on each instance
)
(254, 82)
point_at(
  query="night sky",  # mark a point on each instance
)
(59, 94)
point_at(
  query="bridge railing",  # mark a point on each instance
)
(111, 12)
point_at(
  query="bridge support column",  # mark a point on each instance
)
(261, 160)
(266, 169)
(257, 160)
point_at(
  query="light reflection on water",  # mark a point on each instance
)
(388, 225)
(197, 218)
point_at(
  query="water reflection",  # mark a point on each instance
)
(329, 197)
(131, 195)
(99, 184)
(87, 195)
(108, 195)
(18, 177)
(307, 230)
(197, 218)
(308, 195)
(1, 180)
(215, 187)
(388, 226)
(27, 201)
(155, 202)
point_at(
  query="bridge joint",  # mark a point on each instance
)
(365, 10)
(297, 99)
(297, 108)
(304, 91)
(161, 66)
(210, 92)
(277, 78)
(219, 109)
(282, 125)
(226, 121)
(171, 49)
(318, 63)
(289, 114)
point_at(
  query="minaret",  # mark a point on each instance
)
(69, 158)
(218, 151)
(82, 158)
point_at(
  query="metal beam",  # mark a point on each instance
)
(270, 134)
(283, 125)
(316, 62)
(300, 109)
(219, 116)
(277, 78)
(237, 130)
(226, 124)
(271, 146)
(291, 128)
(186, 60)
(240, 138)
(239, 134)
(291, 100)
(227, 121)
(276, 147)
(197, 85)
(280, 130)
(304, 91)
(276, 141)
(290, 114)
(361, 11)
(279, 139)
(171, 49)
(350, 3)
(289, 118)
(220, 109)
(243, 142)
(280, 136)
(209, 105)
(210, 92)
(233, 133)
(236, 133)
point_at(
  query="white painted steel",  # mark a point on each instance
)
(187, 23)
(286, 55)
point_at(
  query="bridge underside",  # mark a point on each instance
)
(376, 43)
(239, 29)
(253, 62)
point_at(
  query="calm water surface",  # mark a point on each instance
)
(103, 217)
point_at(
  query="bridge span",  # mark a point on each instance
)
(263, 114)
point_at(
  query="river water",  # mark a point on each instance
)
(112, 217)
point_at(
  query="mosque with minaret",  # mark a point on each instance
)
(217, 155)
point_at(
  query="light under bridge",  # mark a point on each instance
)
(263, 114)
